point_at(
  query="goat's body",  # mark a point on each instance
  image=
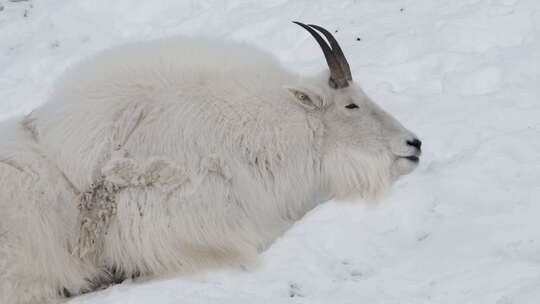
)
(173, 156)
(210, 160)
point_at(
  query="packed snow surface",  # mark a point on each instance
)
(463, 74)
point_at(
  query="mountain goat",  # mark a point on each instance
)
(172, 156)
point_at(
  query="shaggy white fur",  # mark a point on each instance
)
(172, 156)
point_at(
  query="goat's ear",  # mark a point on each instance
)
(308, 98)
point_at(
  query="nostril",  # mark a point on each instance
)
(415, 143)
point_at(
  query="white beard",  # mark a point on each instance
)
(354, 176)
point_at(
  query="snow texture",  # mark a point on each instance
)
(463, 74)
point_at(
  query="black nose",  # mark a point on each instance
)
(415, 143)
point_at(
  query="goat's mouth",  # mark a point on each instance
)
(412, 158)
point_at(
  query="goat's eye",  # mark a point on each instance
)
(301, 96)
(351, 106)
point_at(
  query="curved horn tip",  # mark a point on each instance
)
(338, 76)
(336, 49)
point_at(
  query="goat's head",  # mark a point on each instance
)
(365, 148)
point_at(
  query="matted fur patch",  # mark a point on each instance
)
(98, 204)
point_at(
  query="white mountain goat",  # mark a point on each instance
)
(167, 157)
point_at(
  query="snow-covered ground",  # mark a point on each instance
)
(463, 74)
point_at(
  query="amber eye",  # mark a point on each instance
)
(300, 96)
(351, 106)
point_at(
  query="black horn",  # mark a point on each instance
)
(336, 50)
(339, 72)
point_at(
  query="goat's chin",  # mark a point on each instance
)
(403, 166)
(356, 177)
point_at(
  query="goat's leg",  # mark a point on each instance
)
(38, 218)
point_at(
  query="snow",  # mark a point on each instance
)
(463, 74)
